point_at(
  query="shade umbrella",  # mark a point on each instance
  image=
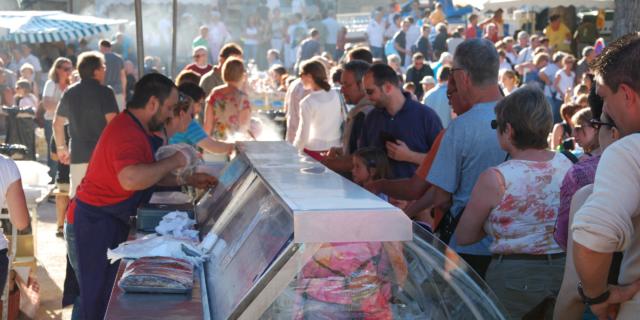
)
(50, 26)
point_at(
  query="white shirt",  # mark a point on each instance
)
(32, 60)
(525, 55)
(332, 29)
(8, 174)
(320, 120)
(609, 220)
(51, 90)
(295, 94)
(452, 44)
(566, 81)
(375, 31)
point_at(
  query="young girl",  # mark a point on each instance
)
(509, 81)
(370, 164)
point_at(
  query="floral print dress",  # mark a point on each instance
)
(524, 220)
(225, 106)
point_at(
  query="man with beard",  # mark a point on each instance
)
(121, 176)
(87, 107)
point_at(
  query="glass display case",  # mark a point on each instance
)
(297, 241)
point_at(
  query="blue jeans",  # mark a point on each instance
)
(53, 165)
(377, 52)
(70, 237)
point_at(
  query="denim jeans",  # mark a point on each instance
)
(377, 52)
(69, 236)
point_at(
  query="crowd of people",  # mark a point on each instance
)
(494, 142)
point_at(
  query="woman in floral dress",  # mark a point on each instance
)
(516, 203)
(228, 112)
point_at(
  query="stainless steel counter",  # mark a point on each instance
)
(155, 306)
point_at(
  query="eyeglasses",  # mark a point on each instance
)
(494, 124)
(596, 124)
(456, 69)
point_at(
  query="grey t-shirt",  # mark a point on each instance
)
(115, 64)
(85, 104)
(468, 148)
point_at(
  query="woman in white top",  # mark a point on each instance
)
(565, 77)
(321, 112)
(517, 202)
(12, 198)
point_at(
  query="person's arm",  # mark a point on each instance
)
(435, 197)
(401, 189)
(556, 85)
(556, 136)
(302, 134)
(544, 78)
(339, 163)
(209, 116)
(568, 304)
(213, 146)
(61, 144)
(485, 196)
(142, 176)
(17, 205)
(605, 224)
(197, 180)
(123, 80)
(400, 151)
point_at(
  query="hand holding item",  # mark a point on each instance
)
(201, 181)
(398, 150)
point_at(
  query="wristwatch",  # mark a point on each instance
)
(592, 301)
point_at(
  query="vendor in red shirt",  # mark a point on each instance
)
(121, 175)
(200, 63)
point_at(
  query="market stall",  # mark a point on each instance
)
(283, 237)
(50, 26)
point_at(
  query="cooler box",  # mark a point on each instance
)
(149, 216)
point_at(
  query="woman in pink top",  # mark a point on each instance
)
(517, 204)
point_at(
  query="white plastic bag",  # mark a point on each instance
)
(154, 245)
(189, 152)
(178, 224)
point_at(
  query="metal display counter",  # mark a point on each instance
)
(297, 241)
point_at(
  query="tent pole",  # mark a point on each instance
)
(174, 33)
(139, 38)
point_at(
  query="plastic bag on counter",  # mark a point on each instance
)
(178, 224)
(157, 275)
(154, 245)
(189, 152)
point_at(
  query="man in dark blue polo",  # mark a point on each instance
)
(402, 126)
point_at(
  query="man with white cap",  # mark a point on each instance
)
(427, 83)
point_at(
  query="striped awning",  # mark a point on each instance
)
(50, 26)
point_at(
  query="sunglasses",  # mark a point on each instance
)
(494, 124)
(596, 124)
